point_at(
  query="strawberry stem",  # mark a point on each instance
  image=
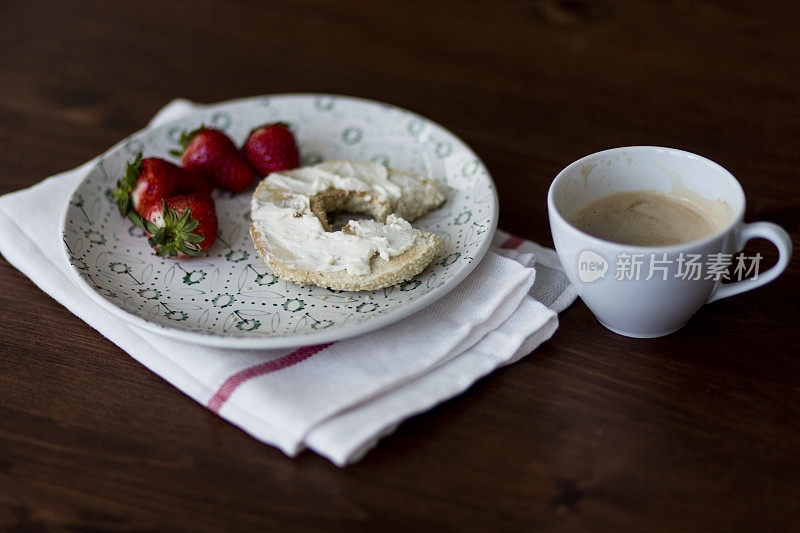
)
(176, 235)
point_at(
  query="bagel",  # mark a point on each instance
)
(290, 227)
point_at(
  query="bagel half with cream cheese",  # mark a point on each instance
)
(290, 227)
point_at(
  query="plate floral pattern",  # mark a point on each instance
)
(230, 297)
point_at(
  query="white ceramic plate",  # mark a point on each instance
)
(230, 298)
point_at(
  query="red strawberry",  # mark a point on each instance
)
(271, 148)
(149, 180)
(187, 181)
(211, 152)
(182, 225)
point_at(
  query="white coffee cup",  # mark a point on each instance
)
(603, 271)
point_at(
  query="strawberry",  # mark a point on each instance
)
(149, 180)
(211, 152)
(271, 148)
(182, 225)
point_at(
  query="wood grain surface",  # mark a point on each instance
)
(697, 431)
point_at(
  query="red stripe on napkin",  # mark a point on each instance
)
(232, 383)
(512, 243)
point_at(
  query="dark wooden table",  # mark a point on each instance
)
(699, 430)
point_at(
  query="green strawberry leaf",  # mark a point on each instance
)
(136, 218)
(149, 227)
(125, 185)
(193, 250)
(185, 138)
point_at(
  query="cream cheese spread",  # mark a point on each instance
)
(291, 225)
(372, 178)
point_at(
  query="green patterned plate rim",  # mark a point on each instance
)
(230, 298)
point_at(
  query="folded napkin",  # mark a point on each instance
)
(338, 398)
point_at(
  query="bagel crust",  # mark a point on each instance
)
(290, 227)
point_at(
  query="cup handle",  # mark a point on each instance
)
(765, 230)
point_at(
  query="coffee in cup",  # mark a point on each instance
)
(631, 226)
(650, 218)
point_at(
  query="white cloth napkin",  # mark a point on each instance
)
(338, 399)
